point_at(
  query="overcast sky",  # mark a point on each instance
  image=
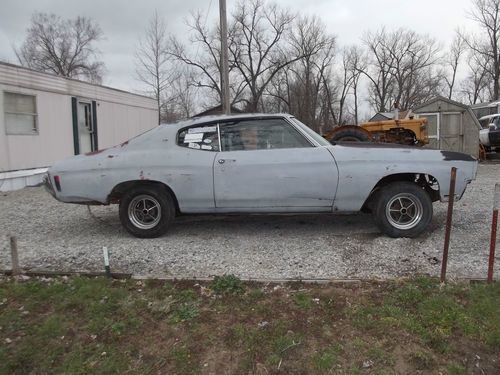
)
(123, 22)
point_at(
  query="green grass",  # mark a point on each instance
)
(102, 326)
(436, 314)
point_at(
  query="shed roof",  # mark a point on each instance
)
(217, 110)
(453, 102)
(440, 98)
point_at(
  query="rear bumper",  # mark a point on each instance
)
(48, 185)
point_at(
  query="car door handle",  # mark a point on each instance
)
(222, 161)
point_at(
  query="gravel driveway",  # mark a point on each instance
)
(57, 236)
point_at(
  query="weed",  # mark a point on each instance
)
(273, 359)
(359, 344)
(422, 360)
(227, 284)
(182, 361)
(380, 356)
(255, 294)
(355, 371)
(326, 359)
(184, 312)
(456, 369)
(162, 291)
(283, 343)
(187, 296)
(303, 300)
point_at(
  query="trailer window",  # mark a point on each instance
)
(20, 114)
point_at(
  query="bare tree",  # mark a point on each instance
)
(349, 75)
(182, 96)
(203, 59)
(403, 68)
(153, 67)
(457, 49)
(299, 88)
(317, 50)
(379, 70)
(356, 63)
(63, 47)
(476, 87)
(259, 49)
(486, 13)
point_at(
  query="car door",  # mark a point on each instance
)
(192, 175)
(268, 165)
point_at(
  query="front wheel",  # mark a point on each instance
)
(146, 211)
(402, 209)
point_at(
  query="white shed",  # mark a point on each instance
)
(451, 125)
(44, 117)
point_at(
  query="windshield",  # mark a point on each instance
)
(318, 138)
(496, 122)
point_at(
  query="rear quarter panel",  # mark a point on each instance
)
(362, 166)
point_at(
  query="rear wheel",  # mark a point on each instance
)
(146, 211)
(402, 209)
(350, 134)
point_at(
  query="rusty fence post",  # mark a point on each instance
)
(449, 218)
(494, 224)
(14, 256)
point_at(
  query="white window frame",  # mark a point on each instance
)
(35, 131)
(438, 123)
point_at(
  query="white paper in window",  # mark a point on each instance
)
(206, 129)
(198, 137)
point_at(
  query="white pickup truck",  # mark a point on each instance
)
(489, 135)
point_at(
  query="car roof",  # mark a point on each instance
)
(489, 117)
(215, 118)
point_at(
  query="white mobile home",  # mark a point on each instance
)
(44, 117)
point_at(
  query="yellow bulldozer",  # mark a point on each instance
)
(406, 131)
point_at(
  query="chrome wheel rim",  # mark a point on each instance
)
(404, 211)
(144, 211)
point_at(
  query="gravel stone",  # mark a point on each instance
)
(64, 237)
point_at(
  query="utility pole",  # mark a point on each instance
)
(224, 74)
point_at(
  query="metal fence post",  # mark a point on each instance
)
(14, 256)
(106, 261)
(449, 218)
(493, 240)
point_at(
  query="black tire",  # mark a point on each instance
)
(413, 203)
(157, 200)
(350, 135)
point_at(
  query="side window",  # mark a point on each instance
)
(260, 135)
(20, 114)
(200, 138)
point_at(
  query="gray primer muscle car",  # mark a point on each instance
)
(259, 164)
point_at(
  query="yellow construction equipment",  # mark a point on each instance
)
(406, 131)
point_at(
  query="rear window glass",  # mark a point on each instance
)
(199, 138)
